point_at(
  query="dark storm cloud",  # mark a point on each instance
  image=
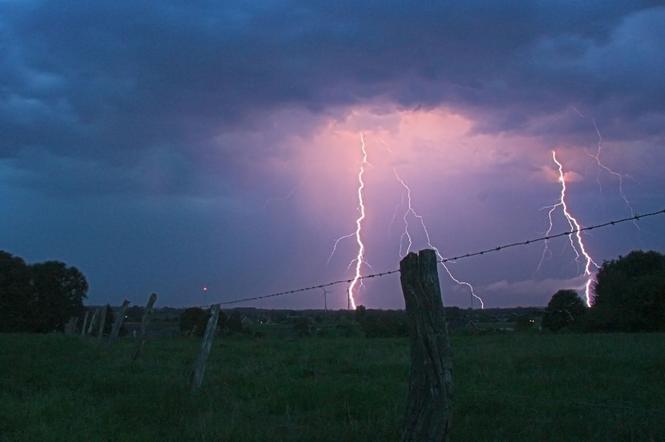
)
(106, 82)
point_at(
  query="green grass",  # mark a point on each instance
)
(507, 387)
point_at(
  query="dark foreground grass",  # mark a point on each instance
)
(509, 387)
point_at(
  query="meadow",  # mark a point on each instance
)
(508, 387)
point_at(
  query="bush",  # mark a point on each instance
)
(565, 310)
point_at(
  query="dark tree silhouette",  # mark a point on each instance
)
(194, 321)
(59, 291)
(41, 297)
(630, 293)
(15, 293)
(360, 313)
(564, 310)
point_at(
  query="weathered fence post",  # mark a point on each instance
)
(117, 324)
(144, 325)
(102, 322)
(92, 322)
(429, 401)
(200, 364)
(85, 322)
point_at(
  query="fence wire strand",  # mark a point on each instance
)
(452, 259)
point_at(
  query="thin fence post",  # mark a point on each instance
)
(429, 401)
(102, 322)
(85, 322)
(91, 326)
(144, 326)
(200, 364)
(117, 324)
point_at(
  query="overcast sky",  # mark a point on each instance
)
(174, 146)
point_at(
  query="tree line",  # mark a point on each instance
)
(629, 296)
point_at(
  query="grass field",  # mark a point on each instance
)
(507, 387)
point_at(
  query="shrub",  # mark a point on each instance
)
(565, 310)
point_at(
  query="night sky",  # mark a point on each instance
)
(175, 145)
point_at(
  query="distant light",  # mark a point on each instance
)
(205, 289)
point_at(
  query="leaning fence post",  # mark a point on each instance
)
(144, 325)
(200, 364)
(85, 322)
(102, 322)
(429, 401)
(117, 324)
(92, 322)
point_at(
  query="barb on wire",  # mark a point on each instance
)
(636, 217)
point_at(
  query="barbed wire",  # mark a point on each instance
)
(636, 217)
(452, 259)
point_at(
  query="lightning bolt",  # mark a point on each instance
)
(601, 165)
(576, 241)
(359, 259)
(407, 236)
(614, 173)
(336, 243)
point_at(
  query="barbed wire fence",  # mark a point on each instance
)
(452, 259)
(425, 298)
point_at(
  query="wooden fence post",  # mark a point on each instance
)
(144, 326)
(92, 322)
(117, 324)
(85, 322)
(200, 364)
(102, 322)
(429, 401)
